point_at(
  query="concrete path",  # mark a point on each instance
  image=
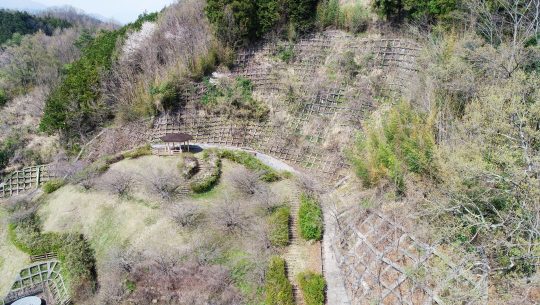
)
(266, 159)
(335, 293)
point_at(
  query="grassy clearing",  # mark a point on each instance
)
(140, 222)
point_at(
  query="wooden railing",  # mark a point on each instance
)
(42, 257)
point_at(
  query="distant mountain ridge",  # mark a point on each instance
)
(23, 5)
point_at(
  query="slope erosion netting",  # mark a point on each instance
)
(315, 110)
(384, 264)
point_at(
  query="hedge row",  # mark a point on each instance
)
(310, 218)
(277, 287)
(252, 163)
(313, 287)
(279, 222)
(209, 182)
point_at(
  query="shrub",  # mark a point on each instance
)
(355, 18)
(145, 150)
(209, 182)
(403, 143)
(430, 10)
(302, 13)
(278, 289)
(8, 147)
(279, 222)
(329, 13)
(313, 287)
(52, 185)
(349, 17)
(3, 97)
(285, 53)
(234, 99)
(252, 163)
(310, 218)
(189, 166)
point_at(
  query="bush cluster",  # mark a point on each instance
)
(251, 163)
(73, 250)
(402, 143)
(238, 22)
(313, 288)
(279, 222)
(278, 289)
(424, 11)
(8, 147)
(310, 218)
(349, 17)
(234, 99)
(52, 185)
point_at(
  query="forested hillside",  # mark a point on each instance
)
(22, 23)
(37, 52)
(344, 151)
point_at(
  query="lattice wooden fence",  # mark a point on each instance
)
(38, 277)
(25, 179)
(383, 264)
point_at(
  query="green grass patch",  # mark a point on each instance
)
(279, 222)
(278, 289)
(53, 185)
(145, 150)
(252, 163)
(310, 218)
(208, 183)
(313, 287)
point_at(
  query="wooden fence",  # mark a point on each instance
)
(26, 179)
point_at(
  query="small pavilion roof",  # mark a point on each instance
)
(176, 137)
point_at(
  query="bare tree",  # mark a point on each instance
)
(164, 183)
(309, 185)
(266, 198)
(119, 183)
(186, 214)
(508, 24)
(230, 216)
(247, 182)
